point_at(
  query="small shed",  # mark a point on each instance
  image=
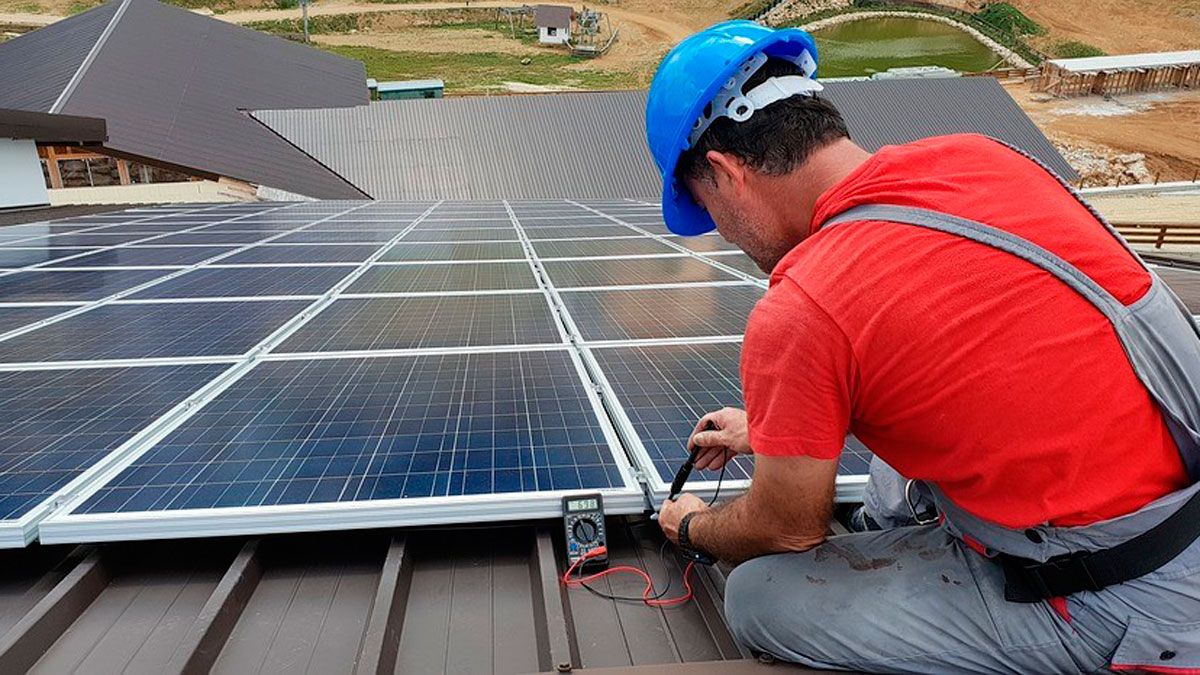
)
(553, 23)
(406, 89)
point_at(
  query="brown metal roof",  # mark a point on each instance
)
(557, 16)
(172, 84)
(465, 600)
(592, 145)
(47, 128)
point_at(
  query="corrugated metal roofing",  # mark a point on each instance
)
(1151, 60)
(172, 84)
(558, 16)
(37, 66)
(592, 145)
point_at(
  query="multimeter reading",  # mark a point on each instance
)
(583, 520)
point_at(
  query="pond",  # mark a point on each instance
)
(876, 44)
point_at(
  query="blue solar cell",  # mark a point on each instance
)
(482, 276)
(213, 238)
(740, 261)
(311, 253)
(57, 423)
(39, 286)
(333, 237)
(17, 256)
(94, 238)
(665, 389)
(472, 234)
(309, 432)
(650, 313)
(208, 282)
(631, 271)
(130, 331)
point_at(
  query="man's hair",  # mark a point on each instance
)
(776, 139)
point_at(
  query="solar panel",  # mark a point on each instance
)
(704, 244)
(91, 239)
(12, 318)
(46, 286)
(309, 253)
(484, 276)
(501, 250)
(1186, 285)
(146, 256)
(427, 322)
(740, 261)
(661, 312)
(347, 236)
(214, 282)
(630, 271)
(488, 234)
(58, 423)
(15, 256)
(589, 232)
(599, 247)
(152, 330)
(373, 435)
(664, 389)
(213, 238)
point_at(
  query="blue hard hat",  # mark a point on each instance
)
(687, 80)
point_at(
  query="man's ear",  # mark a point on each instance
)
(727, 170)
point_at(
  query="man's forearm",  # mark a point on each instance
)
(734, 531)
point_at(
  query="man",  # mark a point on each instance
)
(953, 305)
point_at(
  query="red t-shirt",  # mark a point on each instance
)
(955, 362)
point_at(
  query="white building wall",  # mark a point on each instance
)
(561, 36)
(21, 181)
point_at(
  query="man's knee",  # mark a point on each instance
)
(756, 607)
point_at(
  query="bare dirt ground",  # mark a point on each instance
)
(1162, 125)
(1119, 26)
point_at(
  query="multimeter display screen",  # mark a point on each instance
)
(583, 505)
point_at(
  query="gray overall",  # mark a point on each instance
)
(917, 599)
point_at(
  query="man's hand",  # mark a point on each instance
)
(673, 511)
(729, 437)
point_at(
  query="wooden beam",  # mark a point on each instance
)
(52, 167)
(123, 171)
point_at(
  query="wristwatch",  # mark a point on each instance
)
(685, 543)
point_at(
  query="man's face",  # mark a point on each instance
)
(743, 221)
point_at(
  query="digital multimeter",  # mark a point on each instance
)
(583, 521)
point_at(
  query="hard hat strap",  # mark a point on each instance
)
(732, 103)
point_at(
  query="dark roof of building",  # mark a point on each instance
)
(558, 16)
(172, 86)
(47, 128)
(464, 600)
(591, 145)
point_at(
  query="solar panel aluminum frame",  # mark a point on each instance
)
(847, 488)
(63, 526)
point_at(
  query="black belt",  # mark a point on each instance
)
(1030, 581)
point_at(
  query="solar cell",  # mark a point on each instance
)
(212, 282)
(94, 238)
(427, 321)
(629, 271)
(311, 253)
(661, 312)
(554, 248)
(502, 250)
(150, 330)
(488, 234)
(484, 276)
(665, 389)
(589, 232)
(39, 286)
(131, 256)
(58, 423)
(360, 430)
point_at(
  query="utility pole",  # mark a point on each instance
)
(304, 9)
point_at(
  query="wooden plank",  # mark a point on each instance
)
(53, 168)
(123, 171)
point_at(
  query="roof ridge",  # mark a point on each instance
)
(61, 101)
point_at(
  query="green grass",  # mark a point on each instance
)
(464, 73)
(1074, 49)
(80, 6)
(317, 25)
(1009, 19)
(28, 8)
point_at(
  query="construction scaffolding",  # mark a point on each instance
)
(1115, 75)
